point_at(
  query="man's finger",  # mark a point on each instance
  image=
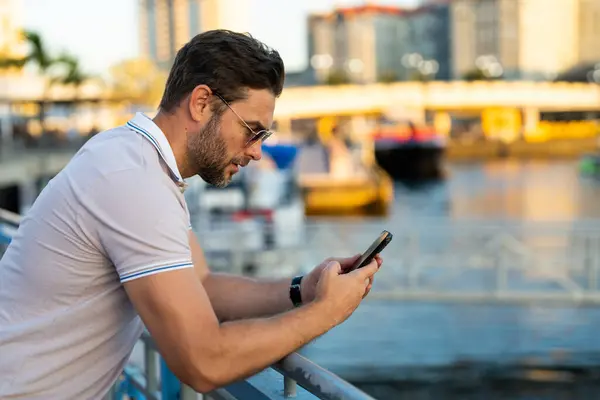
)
(333, 268)
(368, 270)
(347, 262)
(367, 291)
(344, 259)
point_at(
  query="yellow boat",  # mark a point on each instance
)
(338, 180)
(370, 194)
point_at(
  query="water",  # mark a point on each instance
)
(506, 190)
(394, 341)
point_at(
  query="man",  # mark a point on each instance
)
(107, 246)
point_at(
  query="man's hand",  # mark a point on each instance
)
(309, 283)
(340, 293)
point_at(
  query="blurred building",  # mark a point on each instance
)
(361, 44)
(374, 43)
(430, 41)
(588, 23)
(166, 25)
(523, 39)
(304, 77)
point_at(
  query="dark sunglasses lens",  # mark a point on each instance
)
(260, 136)
(264, 135)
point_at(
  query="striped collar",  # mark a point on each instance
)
(143, 125)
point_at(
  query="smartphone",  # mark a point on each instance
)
(376, 247)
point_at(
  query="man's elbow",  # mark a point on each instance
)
(203, 385)
(201, 380)
(207, 375)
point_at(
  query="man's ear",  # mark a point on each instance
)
(198, 102)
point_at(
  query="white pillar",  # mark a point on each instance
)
(28, 192)
(6, 126)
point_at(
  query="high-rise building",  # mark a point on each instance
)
(589, 31)
(372, 43)
(358, 44)
(430, 41)
(166, 25)
(524, 39)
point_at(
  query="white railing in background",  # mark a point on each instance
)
(472, 262)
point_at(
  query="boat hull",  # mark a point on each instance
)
(366, 197)
(411, 161)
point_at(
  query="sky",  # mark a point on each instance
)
(102, 33)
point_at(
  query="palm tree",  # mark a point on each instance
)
(73, 74)
(38, 54)
(40, 57)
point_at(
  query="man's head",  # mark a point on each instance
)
(223, 87)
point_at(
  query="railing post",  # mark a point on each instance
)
(501, 273)
(172, 388)
(150, 368)
(413, 266)
(237, 254)
(596, 260)
(590, 263)
(114, 392)
(187, 393)
(289, 387)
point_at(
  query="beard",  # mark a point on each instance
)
(207, 154)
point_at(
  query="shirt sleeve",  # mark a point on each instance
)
(142, 224)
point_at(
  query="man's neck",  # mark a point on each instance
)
(175, 134)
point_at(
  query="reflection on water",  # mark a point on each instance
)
(382, 339)
(511, 189)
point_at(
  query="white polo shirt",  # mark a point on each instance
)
(115, 213)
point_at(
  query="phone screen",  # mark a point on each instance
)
(376, 247)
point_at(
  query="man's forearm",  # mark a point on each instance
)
(249, 346)
(236, 297)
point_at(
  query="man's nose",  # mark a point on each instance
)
(254, 151)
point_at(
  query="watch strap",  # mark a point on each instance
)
(295, 293)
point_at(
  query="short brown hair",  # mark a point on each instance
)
(227, 62)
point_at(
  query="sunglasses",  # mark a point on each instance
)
(259, 136)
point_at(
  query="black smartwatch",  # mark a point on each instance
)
(295, 294)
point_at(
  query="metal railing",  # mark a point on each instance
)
(480, 261)
(8, 225)
(294, 376)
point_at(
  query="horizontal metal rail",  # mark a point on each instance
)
(317, 380)
(9, 222)
(9, 218)
(279, 382)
